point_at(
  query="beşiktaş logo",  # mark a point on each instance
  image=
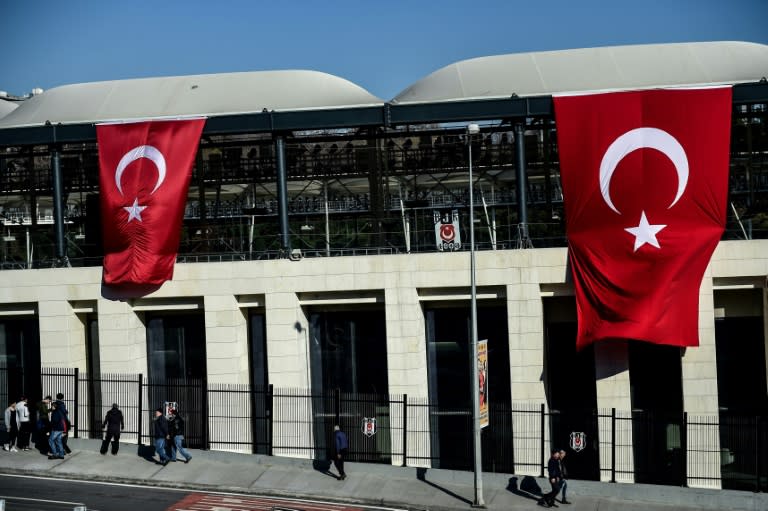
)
(447, 234)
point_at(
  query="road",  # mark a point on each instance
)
(47, 494)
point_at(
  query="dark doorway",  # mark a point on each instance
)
(93, 371)
(655, 375)
(19, 359)
(448, 355)
(177, 368)
(570, 387)
(348, 349)
(257, 340)
(741, 386)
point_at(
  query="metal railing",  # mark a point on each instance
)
(652, 447)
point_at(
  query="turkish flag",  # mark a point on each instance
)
(645, 186)
(144, 174)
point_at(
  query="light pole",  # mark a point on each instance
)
(473, 129)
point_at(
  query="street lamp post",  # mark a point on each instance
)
(473, 129)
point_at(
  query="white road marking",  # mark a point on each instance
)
(191, 490)
(3, 497)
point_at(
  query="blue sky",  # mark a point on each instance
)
(381, 46)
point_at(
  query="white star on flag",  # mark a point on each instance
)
(645, 233)
(135, 210)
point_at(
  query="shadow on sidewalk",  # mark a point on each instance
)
(324, 467)
(421, 474)
(147, 452)
(527, 488)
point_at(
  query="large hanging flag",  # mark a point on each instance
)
(645, 186)
(145, 170)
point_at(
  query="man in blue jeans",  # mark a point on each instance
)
(342, 444)
(160, 433)
(177, 430)
(58, 426)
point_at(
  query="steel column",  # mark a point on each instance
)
(282, 194)
(524, 241)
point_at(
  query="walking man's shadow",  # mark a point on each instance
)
(421, 475)
(527, 487)
(324, 467)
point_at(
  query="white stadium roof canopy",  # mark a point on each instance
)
(187, 96)
(592, 69)
(7, 107)
(496, 87)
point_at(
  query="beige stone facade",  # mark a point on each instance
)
(400, 284)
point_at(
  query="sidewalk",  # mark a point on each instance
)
(382, 485)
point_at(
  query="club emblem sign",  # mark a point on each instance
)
(369, 426)
(447, 234)
(578, 440)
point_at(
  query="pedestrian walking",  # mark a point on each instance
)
(114, 424)
(62, 406)
(176, 426)
(160, 433)
(25, 426)
(553, 467)
(58, 427)
(563, 478)
(12, 425)
(342, 444)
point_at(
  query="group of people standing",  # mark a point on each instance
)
(51, 424)
(169, 428)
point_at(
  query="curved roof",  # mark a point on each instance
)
(6, 107)
(592, 69)
(196, 95)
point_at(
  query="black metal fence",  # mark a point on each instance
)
(726, 451)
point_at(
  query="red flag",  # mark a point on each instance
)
(645, 184)
(145, 169)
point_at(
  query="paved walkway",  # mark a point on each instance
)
(381, 485)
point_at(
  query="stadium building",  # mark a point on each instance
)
(312, 284)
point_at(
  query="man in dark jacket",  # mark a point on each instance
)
(43, 425)
(63, 407)
(113, 421)
(342, 444)
(176, 424)
(553, 467)
(58, 426)
(160, 433)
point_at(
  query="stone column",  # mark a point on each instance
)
(699, 370)
(526, 359)
(407, 372)
(62, 335)
(227, 362)
(122, 338)
(226, 340)
(288, 366)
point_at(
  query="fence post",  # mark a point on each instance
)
(405, 430)
(541, 444)
(613, 445)
(77, 401)
(684, 442)
(206, 439)
(270, 417)
(758, 454)
(254, 424)
(140, 406)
